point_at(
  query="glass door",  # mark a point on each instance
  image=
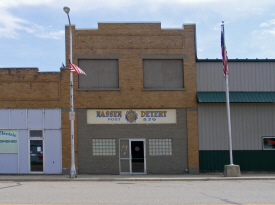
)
(36, 155)
(132, 156)
(137, 157)
(124, 156)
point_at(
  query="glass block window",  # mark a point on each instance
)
(160, 147)
(104, 147)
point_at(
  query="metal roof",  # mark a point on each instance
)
(236, 60)
(236, 97)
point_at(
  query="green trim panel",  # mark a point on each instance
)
(249, 160)
(236, 97)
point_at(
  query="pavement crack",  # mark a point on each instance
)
(6, 187)
(224, 200)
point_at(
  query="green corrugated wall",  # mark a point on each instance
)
(249, 160)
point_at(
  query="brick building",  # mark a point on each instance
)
(146, 106)
(34, 126)
(136, 110)
(137, 107)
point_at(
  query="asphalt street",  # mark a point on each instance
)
(138, 192)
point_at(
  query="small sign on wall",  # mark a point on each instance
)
(131, 116)
(269, 143)
(8, 141)
(71, 115)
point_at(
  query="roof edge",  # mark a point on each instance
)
(237, 60)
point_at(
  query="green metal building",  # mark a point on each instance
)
(252, 97)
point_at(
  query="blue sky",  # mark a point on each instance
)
(32, 31)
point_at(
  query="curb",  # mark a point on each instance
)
(138, 179)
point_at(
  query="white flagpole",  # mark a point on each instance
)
(227, 102)
(228, 117)
(73, 170)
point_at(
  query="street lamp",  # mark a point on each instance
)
(72, 114)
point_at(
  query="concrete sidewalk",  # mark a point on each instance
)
(184, 177)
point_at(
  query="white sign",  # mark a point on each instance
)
(131, 116)
(71, 115)
(8, 141)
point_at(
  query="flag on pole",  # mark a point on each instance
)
(75, 69)
(224, 53)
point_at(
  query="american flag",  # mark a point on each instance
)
(75, 69)
(224, 53)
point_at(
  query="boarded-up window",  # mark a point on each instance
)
(101, 74)
(162, 73)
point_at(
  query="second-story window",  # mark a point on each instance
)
(101, 74)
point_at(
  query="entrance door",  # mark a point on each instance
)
(137, 156)
(132, 156)
(36, 155)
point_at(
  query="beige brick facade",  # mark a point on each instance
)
(193, 141)
(130, 41)
(27, 88)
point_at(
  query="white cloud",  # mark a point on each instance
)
(264, 25)
(11, 26)
(270, 31)
(269, 23)
(267, 29)
(46, 32)
(200, 49)
(17, 3)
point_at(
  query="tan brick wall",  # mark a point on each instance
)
(27, 88)
(66, 140)
(130, 41)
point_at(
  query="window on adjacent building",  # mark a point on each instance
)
(104, 147)
(159, 147)
(101, 74)
(163, 74)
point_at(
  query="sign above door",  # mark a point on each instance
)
(131, 116)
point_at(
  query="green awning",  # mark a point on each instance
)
(236, 97)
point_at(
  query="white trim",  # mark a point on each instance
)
(122, 158)
(130, 156)
(43, 144)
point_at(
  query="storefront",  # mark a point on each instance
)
(132, 141)
(30, 141)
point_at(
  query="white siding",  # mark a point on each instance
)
(52, 119)
(35, 119)
(53, 155)
(4, 119)
(23, 151)
(9, 163)
(24, 120)
(18, 119)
